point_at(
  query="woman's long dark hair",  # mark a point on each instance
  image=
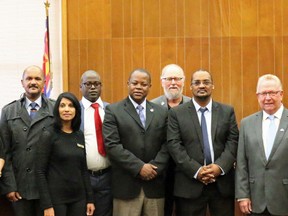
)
(76, 121)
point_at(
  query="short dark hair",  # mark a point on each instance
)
(142, 70)
(76, 120)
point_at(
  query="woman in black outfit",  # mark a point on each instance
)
(64, 184)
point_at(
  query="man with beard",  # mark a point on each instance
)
(135, 138)
(22, 122)
(202, 138)
(97, 160)
(172, 80)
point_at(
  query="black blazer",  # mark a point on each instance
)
(130, 146)
(185, 145)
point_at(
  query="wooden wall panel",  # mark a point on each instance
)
(237, 41)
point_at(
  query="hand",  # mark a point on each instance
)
(90, 209)
(245, 206)
(13, 196)
(205, 175)
(49, 212)
(148, 172)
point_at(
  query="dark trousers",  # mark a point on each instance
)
(265, 213)
(169, 206)
(103, 199)
(211, 198)
(25, 207)
(71, 209)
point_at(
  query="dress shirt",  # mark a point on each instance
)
(208, 117)
(95, 161)
(28, 102)
(143, 104)
(266, 122)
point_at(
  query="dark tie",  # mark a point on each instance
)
(98, 128)
(33, 110)
(141, 114)
(270, 135)
(207, 152)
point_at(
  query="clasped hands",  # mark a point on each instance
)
(208, 174)
(148, 172)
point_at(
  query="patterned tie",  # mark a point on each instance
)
(207, 152)
(98, 128)
(271, 133)
(141, 114)
(33, 110)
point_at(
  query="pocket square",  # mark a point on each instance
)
(281, 130)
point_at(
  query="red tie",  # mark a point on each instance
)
(98, 128)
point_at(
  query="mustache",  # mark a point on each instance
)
(33, 85)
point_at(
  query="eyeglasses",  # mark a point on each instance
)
(270, 93)
(169, 79)
(204, 82)
(89, 84)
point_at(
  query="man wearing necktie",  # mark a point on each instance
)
(22, 122)
(261, 172)
(93, 111)
(135, 139)
(202, 139)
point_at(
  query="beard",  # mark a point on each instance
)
(173, 95)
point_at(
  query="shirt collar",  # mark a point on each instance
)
(278, 114)
(86, 103)
(143, 104)
(197, 106)
(28, 102)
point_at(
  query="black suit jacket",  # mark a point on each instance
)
(185, 145)
(130, 146)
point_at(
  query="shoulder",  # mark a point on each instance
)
(222, 106)
(186, 99)
(12, 104)
(159, 99)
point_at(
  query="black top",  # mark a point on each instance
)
(2, 154)
(61, 168)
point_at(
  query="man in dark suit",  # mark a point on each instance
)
(97, 163)
(261, 172)
(172, 81)
(135, 138)
(202, 139)
(20, 135)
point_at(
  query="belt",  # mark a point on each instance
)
(99, 172)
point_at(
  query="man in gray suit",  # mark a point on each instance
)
(261, 172)
(20, 135)
(135, 138)
(202, 139)
(97, 163)
(172, 81)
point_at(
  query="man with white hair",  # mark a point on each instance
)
(172, 80)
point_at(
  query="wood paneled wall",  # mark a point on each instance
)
(237, 41)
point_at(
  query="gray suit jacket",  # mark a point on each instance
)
(20, 136)
(185, 145)
(264, 181)
(129, 146)
(162, 100)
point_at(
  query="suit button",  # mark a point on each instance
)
(28, 149)
(28, 170)
(25, 128)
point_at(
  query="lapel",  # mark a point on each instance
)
(258, 134)
(130, 109)
(283, 126)
(149, 114)
(214, 119)
(195, 121)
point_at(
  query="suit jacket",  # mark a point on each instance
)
(264, 181)
(185, 145)
(162, 100)
(20, 136)
(129, 146)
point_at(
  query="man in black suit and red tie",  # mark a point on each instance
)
(135, 139)
(202, 138)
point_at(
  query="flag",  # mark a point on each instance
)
(46, 57)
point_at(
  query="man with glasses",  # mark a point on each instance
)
(172, 80)
(261, 172)
(202, 138)
(98, 164)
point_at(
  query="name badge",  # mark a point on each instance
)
(80, 145)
